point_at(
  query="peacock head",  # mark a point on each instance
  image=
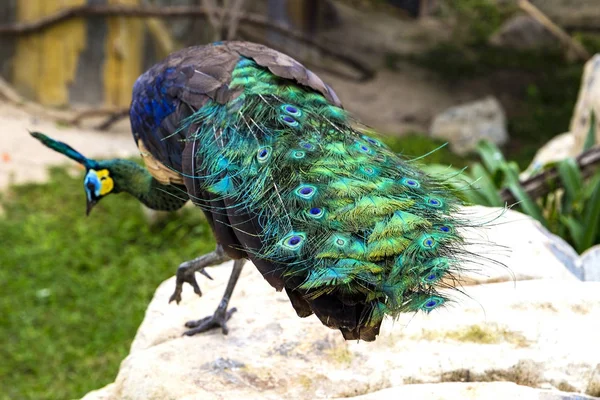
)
(99, 180)
(97, 184)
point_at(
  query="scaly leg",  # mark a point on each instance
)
(221, 315)
(186, 271)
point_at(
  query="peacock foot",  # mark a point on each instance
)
(218, 319)
(187, 271)
(188, 275)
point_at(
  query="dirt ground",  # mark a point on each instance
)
(24, 159)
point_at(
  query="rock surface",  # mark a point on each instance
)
(558, 148)
(517, 245)
(465, 125)
(590, 263)
(539, 333)
(587, 101)
(468, 391)
(523, 32)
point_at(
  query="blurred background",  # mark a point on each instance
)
(516, 74)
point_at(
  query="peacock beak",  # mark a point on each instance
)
(90, 205)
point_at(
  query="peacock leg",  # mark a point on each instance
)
(222, 314)
(186, 271)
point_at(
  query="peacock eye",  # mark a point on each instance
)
(434, 202)
(431, 303)
(444, 228)
(412, 183)
(306, 191)
(286, 119)
(307, 146)
(293, 241)
(263, 154)
(291, 110)
(429, 242)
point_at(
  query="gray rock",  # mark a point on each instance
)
(535, 332)
(557, 149)
(516, 247)
(464, 126)
(587, 101)
(462, 391)
(531, 330)
(590, 263)
(523, 32)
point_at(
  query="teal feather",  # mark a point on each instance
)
(354, 231)
(370, 207)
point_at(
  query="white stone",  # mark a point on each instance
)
(468, 391)
(517, 248)
(558, 148)
(588, 100)
(548, 326)
(465, 125)
(590, 260)
(538, 328)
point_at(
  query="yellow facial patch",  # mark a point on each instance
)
(106, 182)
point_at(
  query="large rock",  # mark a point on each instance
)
(558, 148)
(540, 333)
(513, 246)
(464, 126)
(587, 101)
(523, 32)
(536, 333)
(467, 391)
(590, 263)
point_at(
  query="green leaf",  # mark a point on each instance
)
(590, 139)
(572, 181)
(491, 156)
(526, 203)
(487, 188)
(575, 230)
(592, 218)
(461, 182)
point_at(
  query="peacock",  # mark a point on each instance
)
(352, 231)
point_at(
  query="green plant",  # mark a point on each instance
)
(571, 210)
(477, 20)
(420, 144)
(75, 288)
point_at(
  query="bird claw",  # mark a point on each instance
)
(218, 319)
(184, 274)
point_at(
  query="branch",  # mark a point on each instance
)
(556, 30)
(27, 28)
(547, 181)
(12, 96)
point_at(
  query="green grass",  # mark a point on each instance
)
(74, 289)
(418, 144)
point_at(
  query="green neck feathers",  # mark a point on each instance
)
(136, 180)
